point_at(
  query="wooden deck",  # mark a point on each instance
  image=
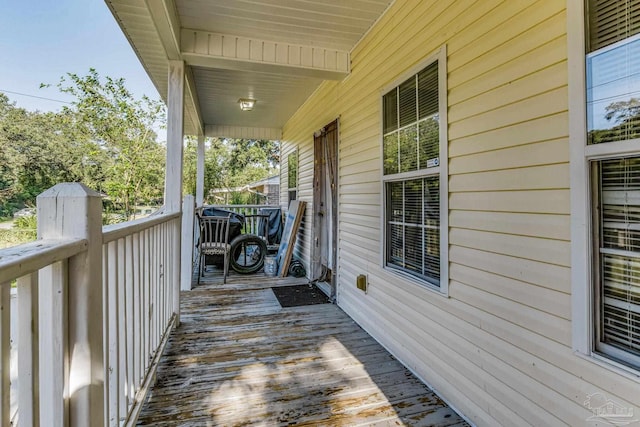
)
(239, 359)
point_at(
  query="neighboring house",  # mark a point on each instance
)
(263, 192)
(478, 162)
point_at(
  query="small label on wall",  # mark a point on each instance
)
(431, 163)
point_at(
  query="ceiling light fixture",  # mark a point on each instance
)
(246, 104)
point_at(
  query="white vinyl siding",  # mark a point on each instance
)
(499, 348)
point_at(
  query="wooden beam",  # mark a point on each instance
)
(165, 17)
(175, 134)
(173, 173)
(191, 95)
(226, 51)
(167, 22)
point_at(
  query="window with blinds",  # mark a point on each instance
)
(613, 71)
(411, 175)
(413, 227)
(618, 187)
(613, 115)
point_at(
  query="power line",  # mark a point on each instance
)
(34, 96)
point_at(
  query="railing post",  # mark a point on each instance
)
(72, 210)
(186, 264)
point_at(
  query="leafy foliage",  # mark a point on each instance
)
(624, 117)
(121, 129)
(105, 139)
(231, 163)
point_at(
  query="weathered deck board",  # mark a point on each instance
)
(239, 359)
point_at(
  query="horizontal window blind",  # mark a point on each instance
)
(611, 21)
(411, 143)
(412, 124)
(413, 227)
(619, 219)
(428, 91)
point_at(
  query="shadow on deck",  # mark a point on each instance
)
(239, 358)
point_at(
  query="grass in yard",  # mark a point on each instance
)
(13, 237)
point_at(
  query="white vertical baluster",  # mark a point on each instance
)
(5, 353)
(155, 280)
(130, 323)
(122, 334)
(160, 288)
(120, 313)
(146, 289)
(171, 282)
(137, 309)
(53, 371)
(28, 350)
(112, 314)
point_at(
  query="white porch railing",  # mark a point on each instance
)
(138, 262)
(95, 307)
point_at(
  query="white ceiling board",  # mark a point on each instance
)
(335, 24)
(277, 96)
(136, 23)
(329, 29)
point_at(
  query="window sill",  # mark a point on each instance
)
(611, 365)
(409, 278)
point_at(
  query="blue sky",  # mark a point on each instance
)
(42, 40)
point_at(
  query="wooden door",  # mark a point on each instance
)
(325, 205)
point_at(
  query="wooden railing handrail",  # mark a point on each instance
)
(240, 206)
(30, 257)
(124, 229)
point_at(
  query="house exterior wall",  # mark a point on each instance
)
(499, 347)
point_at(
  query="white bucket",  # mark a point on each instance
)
(270, 266)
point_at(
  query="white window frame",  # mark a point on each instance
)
(295, 153)
(583, 296)
(442, 170)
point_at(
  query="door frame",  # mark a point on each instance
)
(329, 134)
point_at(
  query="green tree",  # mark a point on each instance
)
(230, 163)
(122, 129)
(250, 160)
(37, 152)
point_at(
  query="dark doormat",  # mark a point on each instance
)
(298, 295)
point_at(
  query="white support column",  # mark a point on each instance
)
(188, 215)
(173, 175)
(175, 135)
(73, 210)
(200, 173)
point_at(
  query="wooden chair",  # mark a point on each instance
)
(214, 240)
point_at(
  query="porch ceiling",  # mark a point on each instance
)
(274, 51)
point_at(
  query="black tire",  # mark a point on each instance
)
(247, 253)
